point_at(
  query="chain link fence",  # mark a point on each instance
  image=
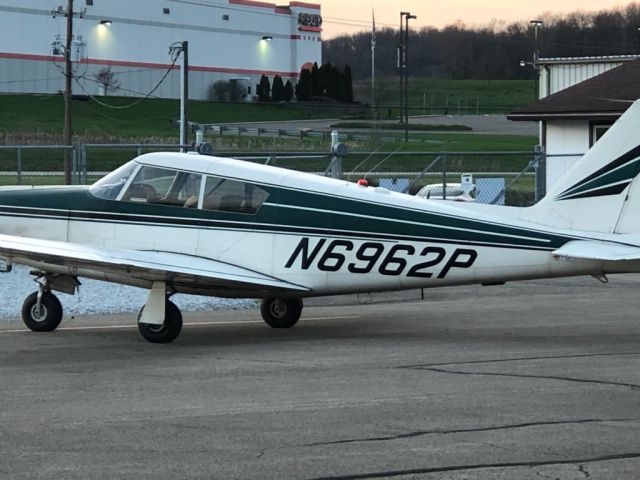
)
(34, 164)
(517, 178)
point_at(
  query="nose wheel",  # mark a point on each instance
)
(281, 313)
(42, 311)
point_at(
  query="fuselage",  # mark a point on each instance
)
(328, 235)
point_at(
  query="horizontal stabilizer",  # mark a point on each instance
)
(598, 250)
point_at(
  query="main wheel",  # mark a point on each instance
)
(43, 319)
(168, 331)
(279, 313)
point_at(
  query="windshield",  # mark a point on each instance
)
(110, 186)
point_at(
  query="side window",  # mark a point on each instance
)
(164, 186)
(232, 196)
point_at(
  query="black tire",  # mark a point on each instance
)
(49, 316)
(168, 331)
(280, 313)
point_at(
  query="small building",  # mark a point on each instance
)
(229, 40)
(572, 119)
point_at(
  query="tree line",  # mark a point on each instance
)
(492, 51)
(324, 83)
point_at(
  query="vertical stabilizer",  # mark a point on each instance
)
(601, 192)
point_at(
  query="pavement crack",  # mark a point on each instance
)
(582, 469)
(480, 466)
(518, 359)
(542, 475)
(420, 433)
(632, 386)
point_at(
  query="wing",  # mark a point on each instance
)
(196, 273)
(598, 250)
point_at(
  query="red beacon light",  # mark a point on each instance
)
(363, 182)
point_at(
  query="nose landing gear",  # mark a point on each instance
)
(42, 311)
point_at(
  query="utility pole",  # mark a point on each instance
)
(68, 79)
(184, 95)
(373, 67)
(401, 64)
(177, 49)
(404, 48)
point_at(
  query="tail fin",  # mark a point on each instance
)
(601, 193)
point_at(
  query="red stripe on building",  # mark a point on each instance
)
(243, 71)
(253, 3)
(156, 66)
(24, 56)
(315, 6)
(276, 9)
(309, 29)
(121, 63)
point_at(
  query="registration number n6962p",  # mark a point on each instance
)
(366, 257)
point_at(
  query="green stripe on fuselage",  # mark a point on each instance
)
(312, 210)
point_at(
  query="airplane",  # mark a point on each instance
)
(193, 224)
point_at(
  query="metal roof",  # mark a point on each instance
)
(607, 95)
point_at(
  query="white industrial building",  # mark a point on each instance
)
(228, 40)
(580, 98)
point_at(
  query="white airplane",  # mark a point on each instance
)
(183, 223)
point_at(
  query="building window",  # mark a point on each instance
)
(89, 3)
(225, 17)
(598, 129)
(166, 11)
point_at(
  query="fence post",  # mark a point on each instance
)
(19, 166)
(83, 161)
(74, 166)
(444, 176)
(540, 162)
(338, 151)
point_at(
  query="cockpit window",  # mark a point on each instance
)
(164, 186)
(226, 195)
(109, 187)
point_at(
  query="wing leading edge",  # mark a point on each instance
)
(150, 266)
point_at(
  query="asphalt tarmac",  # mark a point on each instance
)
(525, 381)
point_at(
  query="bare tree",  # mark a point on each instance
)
(107, 79)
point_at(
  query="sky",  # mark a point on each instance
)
(349, 16)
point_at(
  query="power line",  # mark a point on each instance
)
(137, 102)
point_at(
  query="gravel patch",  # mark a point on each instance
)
(96, 297)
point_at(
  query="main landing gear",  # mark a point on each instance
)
(168, 331)
(281, 313)
(160, 320)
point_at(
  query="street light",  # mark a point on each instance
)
(403, 63)
(267, 38)
(106, 23)
(536, 24)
